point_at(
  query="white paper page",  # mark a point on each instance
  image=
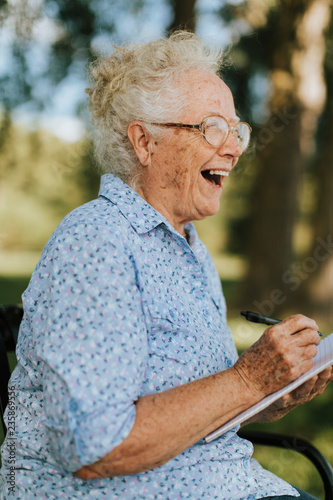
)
(322, 360)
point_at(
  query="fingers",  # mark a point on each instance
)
(295, 340)
(304, 330)
(282, 354)
(299, 322)
(313, 387)
(326, 376)
(297, 337)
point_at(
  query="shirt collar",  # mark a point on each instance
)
(142, 216)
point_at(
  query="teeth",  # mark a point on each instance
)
(219, 172)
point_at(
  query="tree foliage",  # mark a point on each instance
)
(41, 179)
(276, 75)
(286, 51)
(48, 41)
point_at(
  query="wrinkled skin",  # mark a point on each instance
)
(169, 422)
(282, 357)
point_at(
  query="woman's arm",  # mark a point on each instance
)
(169, 422)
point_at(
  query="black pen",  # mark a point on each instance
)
(258, 318)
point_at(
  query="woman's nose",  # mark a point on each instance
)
(231, 145)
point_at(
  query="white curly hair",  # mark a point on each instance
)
(139, 82)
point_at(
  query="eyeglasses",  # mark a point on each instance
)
(215, 130)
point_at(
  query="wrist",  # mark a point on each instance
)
(252, 392)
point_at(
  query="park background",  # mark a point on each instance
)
(272, 240)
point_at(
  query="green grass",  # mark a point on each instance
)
(292, 467)
(11, 289)
(311, 421)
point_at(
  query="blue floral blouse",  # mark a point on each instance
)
(120, 305)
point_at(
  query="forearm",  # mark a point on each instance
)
(169, 422)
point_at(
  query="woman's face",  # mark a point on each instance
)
(174, 181)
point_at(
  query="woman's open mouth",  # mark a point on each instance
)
(214, 177)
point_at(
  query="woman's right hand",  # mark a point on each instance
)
(168, 422)
(282, 354)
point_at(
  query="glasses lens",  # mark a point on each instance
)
(215, 130)
(243, 132)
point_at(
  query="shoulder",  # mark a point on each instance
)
(92, 235)
(96, 221)
(100, 212)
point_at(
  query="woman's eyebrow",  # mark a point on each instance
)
(234, 119)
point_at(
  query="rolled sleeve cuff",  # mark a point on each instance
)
(89, 438)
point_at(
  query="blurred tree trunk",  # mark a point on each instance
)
(320, 282)
(283, 145)
(184, 15)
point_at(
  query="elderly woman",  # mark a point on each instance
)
(125, 361)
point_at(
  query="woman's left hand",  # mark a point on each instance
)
(305, 392)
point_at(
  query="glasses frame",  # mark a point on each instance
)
(199, 126)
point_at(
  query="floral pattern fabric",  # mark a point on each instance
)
(120, 305)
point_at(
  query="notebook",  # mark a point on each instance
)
(322, 360)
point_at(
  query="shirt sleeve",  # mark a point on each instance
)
(91, 337)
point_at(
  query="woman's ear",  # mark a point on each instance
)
(141, 142)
